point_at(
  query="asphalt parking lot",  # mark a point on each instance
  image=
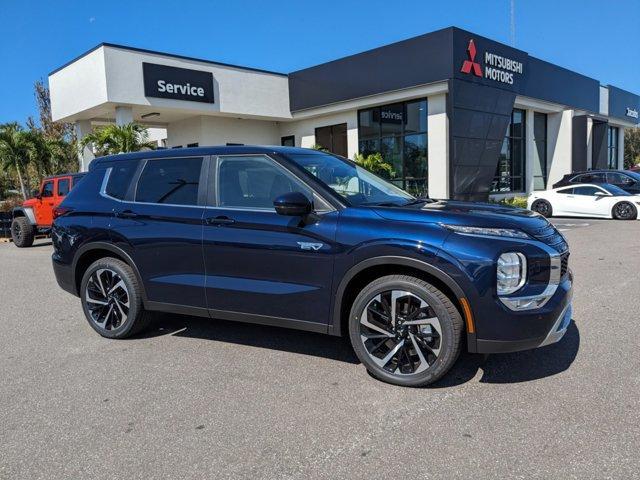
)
(196, 398)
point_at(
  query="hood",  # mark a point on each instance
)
(467, 213)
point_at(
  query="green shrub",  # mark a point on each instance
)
(375, 164)
(518, 202)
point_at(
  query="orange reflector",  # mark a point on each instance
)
(468, 317)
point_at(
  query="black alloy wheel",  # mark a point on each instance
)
(542, 207)
(624, 211)
(405, 331)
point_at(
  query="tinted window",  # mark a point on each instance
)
(619, 179)
(591, 191)
(354, 183)
(171, 180)
(253, 182)
(63, 186)
(120, 178)
(566, 191)
(47, 189)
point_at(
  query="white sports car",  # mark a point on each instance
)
(586, 200)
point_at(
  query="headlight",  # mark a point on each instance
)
(512, 272)
(492, 232)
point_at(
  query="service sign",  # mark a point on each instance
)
(162, 81)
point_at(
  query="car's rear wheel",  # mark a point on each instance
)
(22, 232)
(542, 207)
(624, 211)
(112, 299)
(405, 331)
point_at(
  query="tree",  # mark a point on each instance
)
(112, 139)
(15, 150)
(375, 164)
(631, 147)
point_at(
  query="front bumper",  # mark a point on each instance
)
(549, 325)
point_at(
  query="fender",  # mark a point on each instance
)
(25, 212)
(111, 248)
(335, 328)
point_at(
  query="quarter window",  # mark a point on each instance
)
(171, 181)
(254, 182)
(566, 191)
(120, 178)
(63, 187)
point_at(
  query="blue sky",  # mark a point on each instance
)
(597, 38)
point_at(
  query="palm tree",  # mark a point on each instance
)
(112, 139)
(15, 150)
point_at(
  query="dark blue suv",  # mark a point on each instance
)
(304, 239)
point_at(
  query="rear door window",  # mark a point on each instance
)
(619, 179)
(63, 186)
(170, 181)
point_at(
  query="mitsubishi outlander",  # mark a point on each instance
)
(305, 239)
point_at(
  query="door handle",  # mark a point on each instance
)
(220, 220)
(126, 214)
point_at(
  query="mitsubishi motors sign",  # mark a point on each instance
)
(480, 60)
(496, 67)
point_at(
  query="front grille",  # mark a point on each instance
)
(564, 264)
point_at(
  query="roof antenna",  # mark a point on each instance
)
(513, 23)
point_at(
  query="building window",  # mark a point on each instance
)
(612, 147)
(399, 132)
(333, 138)
(511, 160)
(540, 168)
(288, 141)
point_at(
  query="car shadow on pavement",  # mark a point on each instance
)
(516, 367)
(497, 368)
(261, 336)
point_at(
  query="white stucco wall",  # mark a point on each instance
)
(559, 137)
(80, 86)
(438, 146)
(221, 130)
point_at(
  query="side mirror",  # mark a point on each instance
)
(293, 204)
(600, 194)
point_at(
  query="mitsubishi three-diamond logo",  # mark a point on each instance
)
(471, 64)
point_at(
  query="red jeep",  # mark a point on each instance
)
(35, 216)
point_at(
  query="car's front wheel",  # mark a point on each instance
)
(112, 299)
(624, 211)
(405, 331)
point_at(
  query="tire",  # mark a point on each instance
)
(543, 208)
(439, 338)
(624, 211)
(22, 232)
(111, 299)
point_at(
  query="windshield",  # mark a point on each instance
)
(354, 183)
(634, 175)
(614, 190)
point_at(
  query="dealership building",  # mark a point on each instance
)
(457, 115)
